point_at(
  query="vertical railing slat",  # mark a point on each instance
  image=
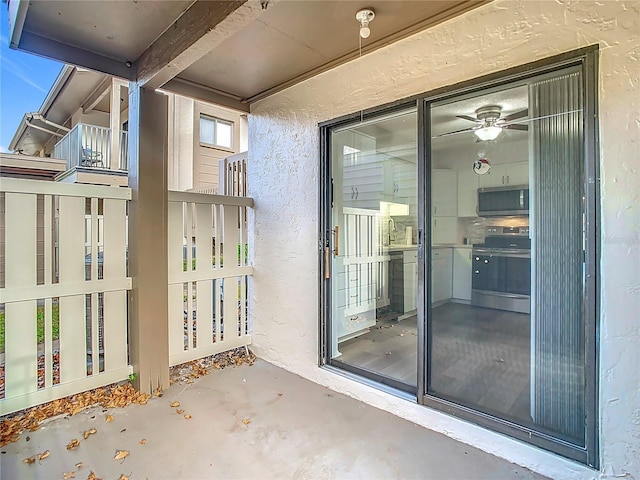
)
(72, 309)
(175, 258)
(230, 259)
(21, 347)
(114, 266)
(48, 304)
(204, 232)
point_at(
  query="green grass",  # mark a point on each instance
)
(39, 325)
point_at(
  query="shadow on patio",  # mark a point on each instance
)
(252, 422)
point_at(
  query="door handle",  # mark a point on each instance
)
(336, 237)
(327, 256)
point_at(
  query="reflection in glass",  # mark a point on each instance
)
(374, 271)
(507, 338)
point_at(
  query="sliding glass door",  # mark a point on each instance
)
(373, 256)
(506, 316)
(459, 252)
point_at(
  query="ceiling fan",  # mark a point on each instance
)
(490, 123)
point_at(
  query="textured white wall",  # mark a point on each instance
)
(283, 179)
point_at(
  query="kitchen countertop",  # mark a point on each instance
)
(403, 248)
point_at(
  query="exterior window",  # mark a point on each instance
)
(215, 132)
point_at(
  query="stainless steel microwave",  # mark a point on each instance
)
(497, 201)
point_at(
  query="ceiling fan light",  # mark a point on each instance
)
(488, 133)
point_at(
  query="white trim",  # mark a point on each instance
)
(191, 197)
(17, 185)
(211, 274)
(67, 289)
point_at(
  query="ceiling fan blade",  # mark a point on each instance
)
(516, 116)
(455, 132)
(471, 119)
(515, 126)
(529, 120)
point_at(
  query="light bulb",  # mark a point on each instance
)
(365, 31)
(488, 133)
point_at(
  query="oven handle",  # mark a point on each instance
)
(503, 252)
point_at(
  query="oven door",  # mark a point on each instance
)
(501, 279)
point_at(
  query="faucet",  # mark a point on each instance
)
(392, 228)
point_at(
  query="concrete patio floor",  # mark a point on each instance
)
(294, 429)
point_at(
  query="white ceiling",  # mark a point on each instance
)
(287, 42)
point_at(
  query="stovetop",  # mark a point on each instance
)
(506, 237)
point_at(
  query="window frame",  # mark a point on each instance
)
(216, 121)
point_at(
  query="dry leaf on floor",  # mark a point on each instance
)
(29, 460)
(109, 419)
(123, 477)
(92, 476)
(179, 412)
(68, 475)
(89, 432)
(43, 455)
(175, 404)
(79, 465)
(246, 421)
(121, 454)
(187, 416)
(143, 441)
(73, 444)
(280, 394)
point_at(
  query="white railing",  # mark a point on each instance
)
(66, 329)
(90, 146)
(208, 275)
(232, 175)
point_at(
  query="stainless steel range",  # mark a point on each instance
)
(502, 270)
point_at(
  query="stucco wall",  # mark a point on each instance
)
(283, 179)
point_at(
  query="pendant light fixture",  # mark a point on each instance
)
(365, 16)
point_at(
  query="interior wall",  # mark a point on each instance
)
(283, 179)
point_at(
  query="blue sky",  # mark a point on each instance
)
(25, 80)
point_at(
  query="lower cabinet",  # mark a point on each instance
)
(441, 274)
(403, 274)
(462, 273)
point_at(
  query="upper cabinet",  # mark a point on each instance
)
(505, 174)
(444, 201)
(467, 193)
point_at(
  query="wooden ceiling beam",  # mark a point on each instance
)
(201, 28)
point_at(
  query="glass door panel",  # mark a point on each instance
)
(373, 326)
(510, 342)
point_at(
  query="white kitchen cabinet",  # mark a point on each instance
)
(462, 273)
(444, 229)
(505, 174)
(363, 184)
(467, 193)
(444, 201)
(441, 274)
